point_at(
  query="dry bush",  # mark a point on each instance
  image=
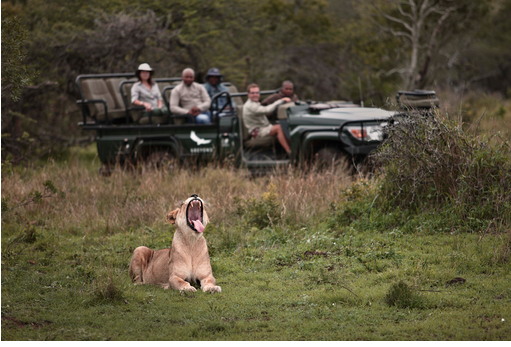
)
(429, 160)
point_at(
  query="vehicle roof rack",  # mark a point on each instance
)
(331, 104)
(418, 98)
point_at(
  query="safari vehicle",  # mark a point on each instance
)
(320, 132)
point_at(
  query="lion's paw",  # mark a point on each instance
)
(189, 289)
(212, 289)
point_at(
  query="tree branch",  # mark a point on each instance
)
(393, 19)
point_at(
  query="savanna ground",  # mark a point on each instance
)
(299, 256)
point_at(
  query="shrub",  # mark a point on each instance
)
(104, 287)
(428, 161)
(402, 296)
(263, 212)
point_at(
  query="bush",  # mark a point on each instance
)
(402, 296)
(428, 161)
(263, 212)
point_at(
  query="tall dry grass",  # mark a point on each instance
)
(487, 113)
(128, 200)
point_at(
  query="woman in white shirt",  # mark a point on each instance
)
(146, 93)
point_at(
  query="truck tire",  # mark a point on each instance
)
(161, 159)
(329, 157)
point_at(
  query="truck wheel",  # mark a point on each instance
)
(329, 157)
(161, 160)
(105, 170)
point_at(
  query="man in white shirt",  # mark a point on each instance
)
(191, 98)
(254, 117)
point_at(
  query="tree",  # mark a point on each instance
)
(424, 27)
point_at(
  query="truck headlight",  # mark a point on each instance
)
(365, 133)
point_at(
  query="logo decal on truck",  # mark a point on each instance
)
(198, 140)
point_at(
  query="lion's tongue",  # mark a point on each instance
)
(198, 225)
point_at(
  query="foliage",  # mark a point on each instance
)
(487, 60)
(28, 232)
(429, 161)
(15, 76)
(263, 212)
(402, 296)
(422, 28)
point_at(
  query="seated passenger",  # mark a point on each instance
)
(214, 86)
(191, 98)
(254, 117)
(146, 93)
(286, 91)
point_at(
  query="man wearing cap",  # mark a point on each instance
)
(213, 87)
(146, 93)
(191, 98)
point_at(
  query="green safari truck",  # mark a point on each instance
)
(317, 131)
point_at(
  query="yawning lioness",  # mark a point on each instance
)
(187, 260)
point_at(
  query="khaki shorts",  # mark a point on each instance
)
(264, 132)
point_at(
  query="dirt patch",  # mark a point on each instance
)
(309, 254)
(455, 281)
(20, 324)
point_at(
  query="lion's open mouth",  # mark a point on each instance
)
(194, 215)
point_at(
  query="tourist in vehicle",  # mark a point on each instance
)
(191, 98)
(214, 86)
(286, 91)
(146, 93)
(254, 117)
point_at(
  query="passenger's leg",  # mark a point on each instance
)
(276, 130)
(203, 118)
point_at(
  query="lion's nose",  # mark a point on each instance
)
(194, 196)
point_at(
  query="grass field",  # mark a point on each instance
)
(291, 265)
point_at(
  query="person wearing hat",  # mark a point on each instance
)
(146, 93)
(214, 86)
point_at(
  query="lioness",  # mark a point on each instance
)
(187, 260)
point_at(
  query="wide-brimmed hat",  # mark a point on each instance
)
(144, 67)
(213, 72)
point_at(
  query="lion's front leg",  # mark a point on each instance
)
(180, 284)
(208, 284)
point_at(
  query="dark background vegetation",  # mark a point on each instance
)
(342, 49)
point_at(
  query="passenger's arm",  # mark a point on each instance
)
(158, 95)
(134, 94)
(263, 110)
(271, 99)
(206, 100)
(174, 103)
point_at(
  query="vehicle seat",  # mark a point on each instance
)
(113, 86)
(97, 89)
(238, 101)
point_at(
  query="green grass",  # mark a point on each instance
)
(326, 265)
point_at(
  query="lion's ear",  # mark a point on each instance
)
(171, 216)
